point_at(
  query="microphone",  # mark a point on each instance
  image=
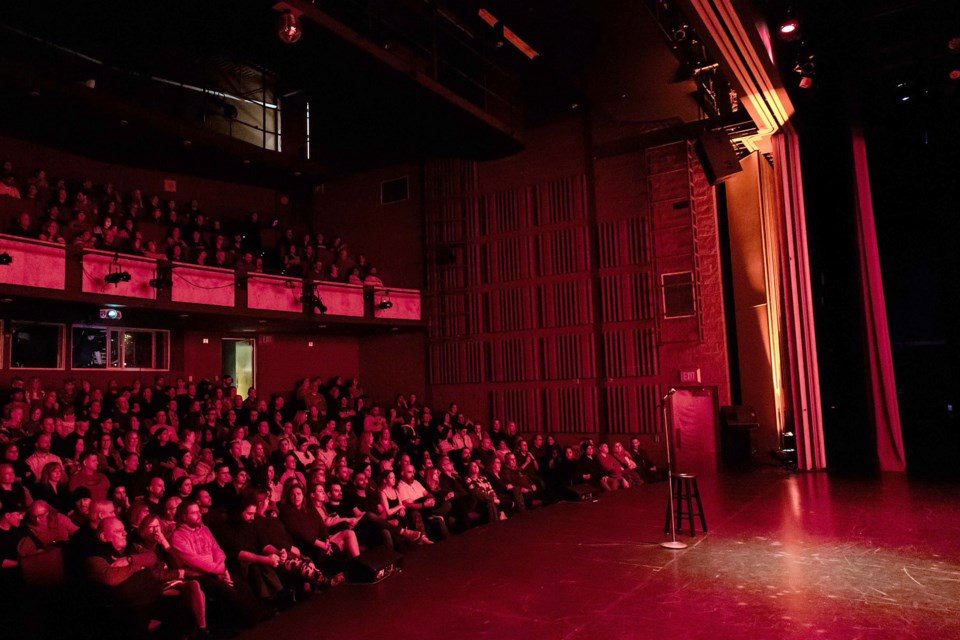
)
(669, 393)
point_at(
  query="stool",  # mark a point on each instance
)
(685, 490)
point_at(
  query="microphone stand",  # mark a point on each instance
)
(673, 543)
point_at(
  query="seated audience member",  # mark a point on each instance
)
(46, 527)
(647, 469)
(52, 487)
(340, 528)
(612, 467)
(590, 470)
(221, 490)
(482, 490)
(13, 495)
(415, 497)
(203, 559)
(510, 495)
(297, 570)
(246, 557)
(90, 477)
(513, 477)
(630, 470)
(135, 581)
(363, 503)
(11, 534)
(306, 527)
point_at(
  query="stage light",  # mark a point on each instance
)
(315, 302)
(807, 70)
(498, 38)
(116, 277)
(6, 259)
(789, 26)
(110, 314)
(290, 30)
(383, 305)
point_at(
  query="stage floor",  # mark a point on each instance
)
(787, 556)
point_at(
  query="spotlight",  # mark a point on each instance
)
(680, 33)
(315, 302)
(290, 30)
(110, 314)
(789, 28)
(807, 70)
(6, 259)
(383, 305)
(954, 75)
(954, 45)
(116, 277)
(498, 40)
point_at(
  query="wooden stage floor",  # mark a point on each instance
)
(787, 556)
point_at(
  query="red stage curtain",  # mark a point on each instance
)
(886, 412)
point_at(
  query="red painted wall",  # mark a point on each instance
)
(390, 235)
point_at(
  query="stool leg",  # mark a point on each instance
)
(696, 493)
(689, 497)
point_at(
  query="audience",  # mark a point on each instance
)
(87, 216)
(173, 500)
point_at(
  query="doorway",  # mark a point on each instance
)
(694, 416)
(238, 360)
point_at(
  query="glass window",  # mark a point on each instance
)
(679, 300)
(35, 345)
(120, 348)
(138, 350)
(89, 350)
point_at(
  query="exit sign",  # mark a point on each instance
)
(690, 376)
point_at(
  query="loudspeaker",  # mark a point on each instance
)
(717, 156)
(374, 565)
(580, 493)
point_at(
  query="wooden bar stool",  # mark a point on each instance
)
(685, 492)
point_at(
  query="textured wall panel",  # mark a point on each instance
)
(203, 285)
(35, 263)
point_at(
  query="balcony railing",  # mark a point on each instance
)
(37, 265)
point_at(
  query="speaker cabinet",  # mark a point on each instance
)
(375, 565)
(717, 156)
(580, 493)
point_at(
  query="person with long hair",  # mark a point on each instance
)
(52, 487)
(305, 525)
(151, 537)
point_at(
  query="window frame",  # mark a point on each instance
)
(121, 331)
(693, 294)
(61, 347)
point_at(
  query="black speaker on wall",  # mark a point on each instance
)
(717, 155)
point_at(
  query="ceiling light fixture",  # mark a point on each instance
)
(290, 29)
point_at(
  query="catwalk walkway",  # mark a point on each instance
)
(787, 556)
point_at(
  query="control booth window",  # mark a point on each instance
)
(36, 345)
(113, 348)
